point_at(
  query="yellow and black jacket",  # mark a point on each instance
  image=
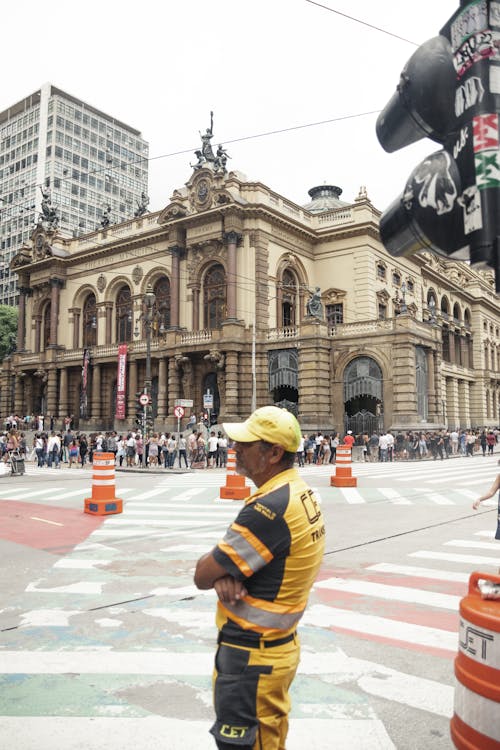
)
(275, 546)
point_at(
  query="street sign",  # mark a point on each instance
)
(208, 401)
(179, 411)
(144, 399)
(187, 402)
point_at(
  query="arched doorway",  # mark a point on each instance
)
(363, 404)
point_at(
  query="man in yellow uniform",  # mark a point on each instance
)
(262, 571)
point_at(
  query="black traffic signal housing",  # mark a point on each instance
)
(205, 419)
(449, 91)
(213, 418)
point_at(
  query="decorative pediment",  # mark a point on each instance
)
(22, 258)
(383, 296)
(333, 296)
(175, 210)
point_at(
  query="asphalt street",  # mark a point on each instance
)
(106, 644)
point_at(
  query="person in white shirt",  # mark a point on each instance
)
(182, 451)
(390, 445)
(212, 450)
(53, 450)
(222, 450)
(454, 442)
(383, 442)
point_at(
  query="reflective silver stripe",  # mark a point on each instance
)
(104, 473)
(102, 482)
(245, 550)
(262, 618)
(100, 462)
(477, 712)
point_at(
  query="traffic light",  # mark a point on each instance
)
(213, 418)
(205, 418)
(449, 91)
(139, 410)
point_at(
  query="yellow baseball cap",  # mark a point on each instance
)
(269, 423)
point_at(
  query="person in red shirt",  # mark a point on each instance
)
(348, 439)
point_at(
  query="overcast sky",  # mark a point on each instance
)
(260, 65)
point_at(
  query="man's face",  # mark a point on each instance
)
(250, 458)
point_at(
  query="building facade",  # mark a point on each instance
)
(257, 300)
(59, 154)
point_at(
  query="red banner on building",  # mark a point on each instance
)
(121, 381)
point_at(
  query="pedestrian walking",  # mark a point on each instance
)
(495, 487)
(262, 572)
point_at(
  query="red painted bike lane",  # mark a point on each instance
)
(44, 527)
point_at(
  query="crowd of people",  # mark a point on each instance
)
(167, 449)
(201, 449)
(317, 448)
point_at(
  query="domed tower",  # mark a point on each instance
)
(324, 198)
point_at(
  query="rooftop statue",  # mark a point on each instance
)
(205, 155)
(206, 147)
(142, 205)
(49, 211)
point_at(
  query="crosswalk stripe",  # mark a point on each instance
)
(173, 511)
(414, 571)
(392, 593)
(494, 547)
(394, 496)
(43, 732)
(319, 615)
(114, 521)
(352, 495)
(440, 499)
(472, 559)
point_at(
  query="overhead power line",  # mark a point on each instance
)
(363, 23)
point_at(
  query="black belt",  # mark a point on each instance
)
(248, 642)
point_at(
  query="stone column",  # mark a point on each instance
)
(19, 405)
(95, 407)
(177, 252)
(173, 383)
(231, 401)
(52, 392)
(232, 239)
(21, 320)
(162, 388)
(314, 375)
(432, 400)
(38, 332)
(463, 403)
(63, 393)
(55, 288)
(131, 388)
(196, 308)
(75, 311)
(109, 323)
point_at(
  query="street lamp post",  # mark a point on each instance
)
(147, 316)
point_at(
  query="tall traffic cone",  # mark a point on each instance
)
(103, 501)
(343, 473)
(475, 724)
(235, 487)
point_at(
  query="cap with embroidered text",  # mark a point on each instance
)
(270, 424)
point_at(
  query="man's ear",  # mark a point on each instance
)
(276, 454)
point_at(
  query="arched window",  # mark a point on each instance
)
(89, 321)
(289, 288)
(214, 296)
(457, 316)
(161, 308)
(46, 326)
(123, 315)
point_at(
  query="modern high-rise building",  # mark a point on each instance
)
(87, 167)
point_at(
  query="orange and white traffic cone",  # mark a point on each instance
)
(103, 501)
(475, 724)
(343, 472)
(235, 487)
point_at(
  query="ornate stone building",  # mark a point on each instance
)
(235, 269)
